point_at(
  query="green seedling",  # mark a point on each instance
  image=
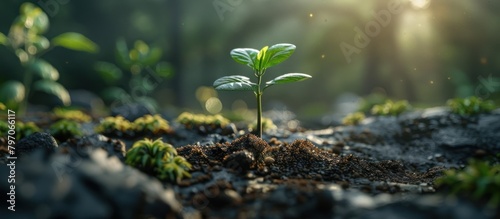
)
(390, 108)
(149, 124)
(190, 120)
(113, 126)
(480, 180)
(353, 118)
(159, 159)
(267, 124)
(65, 129)
(26, 40)
(259, 61)
(71, 114)
(470, 106)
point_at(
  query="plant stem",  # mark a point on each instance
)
(258, 94)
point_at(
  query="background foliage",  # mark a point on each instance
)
(426, 55)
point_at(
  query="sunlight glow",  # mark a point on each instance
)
(421, 4)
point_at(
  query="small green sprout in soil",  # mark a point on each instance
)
(353, 118)
(391, 108)
(65, 129)
(192, 121)
(259, 61)
(113, 126)
(159, 159)
(470, 106)
(71, 114)
(267, 124)
(480, 180)
(26, 41)
(149, 124)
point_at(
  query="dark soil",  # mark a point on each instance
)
(382, 168)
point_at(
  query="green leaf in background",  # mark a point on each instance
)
(75, 41)
(12, 91)
(164, 70)
(122, 53)
(234, 83)
(54, 88)
(152, 57)
(288, 78)
(3, 39)
(245, 56)
(34, 18)
(108, 71)
(277, 54)
(44, 69)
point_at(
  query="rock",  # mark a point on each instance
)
(85, 144)
(433, 206)
(98, 187)
(131, 111)
(36, 141)
(296, 202)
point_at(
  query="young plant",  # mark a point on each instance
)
(22, 129)
(470, 106)
(71, 114)
(149, 124)
(26, 41)
(191, 121)
(65, 129)
(391, 108)
(480, 180)
(114, 126)
(259, 61)
(353, 118)
(143, 68)
(159, 159)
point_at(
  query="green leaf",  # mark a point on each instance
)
(122, 53)
(44, 69)
(12, 91)
(54, 88)
(3, 39)
(75, 41)
(245, 56)
(277, 54)
(234, 83)
(108, 71)
(288, 78)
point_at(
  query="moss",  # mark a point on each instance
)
(113, 125)
(470, 106)
(159, 159)
(391, 108)
(149, 124)
(65, 129)
(192, 121)
(479, 180)
(71, 114)
(353, 118)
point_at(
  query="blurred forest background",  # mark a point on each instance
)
(427, 52)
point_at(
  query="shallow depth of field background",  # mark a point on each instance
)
(428, 52)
